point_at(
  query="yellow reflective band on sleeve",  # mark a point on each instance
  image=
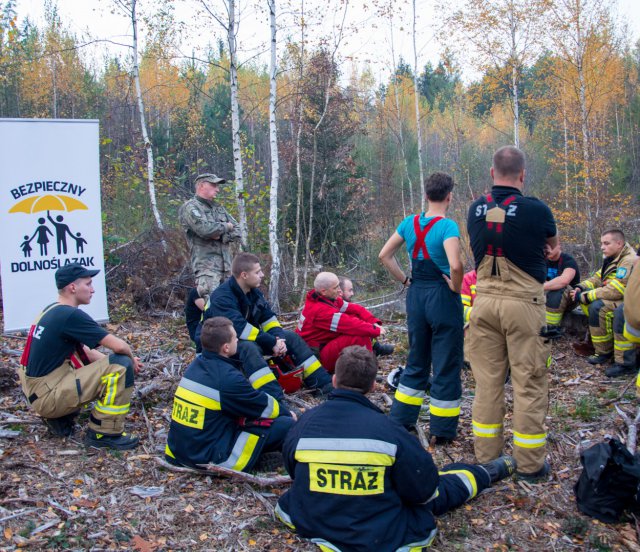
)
(591, 295)
(269, 324)
(344, 457)
(168, 452)
(618, 286)
(631, 333)
(486, 430)
(589, 284)
(466, 312)
(525, 440)
(467, 478)
(261, 377)
(197, 398)
(466, 300)
(250, 333)
(272, 409)
(553, 318)
(346, 479)
(187, 414)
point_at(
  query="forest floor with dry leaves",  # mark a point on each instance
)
(56, 494)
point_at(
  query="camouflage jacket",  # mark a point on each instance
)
(205, 223)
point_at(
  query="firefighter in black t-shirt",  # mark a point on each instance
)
(61, 370)
(508, 233)
(563, 275)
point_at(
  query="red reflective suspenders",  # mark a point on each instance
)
(421, 236)
(496, 228)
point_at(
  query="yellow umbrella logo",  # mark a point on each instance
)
(48, 202)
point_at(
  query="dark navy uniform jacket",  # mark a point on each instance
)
(250, 313)
(210, 400)
(361, 481)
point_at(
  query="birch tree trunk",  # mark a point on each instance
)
(274, 297)
(235, 123)
(143, 126)
(416, 96)
(296, 247)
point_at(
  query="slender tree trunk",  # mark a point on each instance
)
(235, 124)
(516, 107)
(143, 126)
(296, 247)
(416, 95)
(274, 283)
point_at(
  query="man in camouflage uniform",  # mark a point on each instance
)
(210, 231)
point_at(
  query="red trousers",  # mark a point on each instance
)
(331, 351)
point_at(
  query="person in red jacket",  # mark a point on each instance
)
(330, 323)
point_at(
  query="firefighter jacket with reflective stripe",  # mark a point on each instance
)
(323, 319)
(632, 307)
(206, 422)
(610, 281)
(250, 313)
(360, 480)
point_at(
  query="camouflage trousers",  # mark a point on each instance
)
(210, 273)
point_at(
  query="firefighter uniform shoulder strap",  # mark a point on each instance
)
(24, 359)
(421, 236)
(495, 220)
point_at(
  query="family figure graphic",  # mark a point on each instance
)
(61, 232)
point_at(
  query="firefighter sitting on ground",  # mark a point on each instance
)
(563, 275)
(217, 416)
(330, 323)
(61, 370)
(259, 330)
(362, 482)
(601, 294)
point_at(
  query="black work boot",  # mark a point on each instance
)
(62, 426)
(616, 370)
(500, 468)
(121, 441)
(383, 349)
(537, 476)
(599, 359)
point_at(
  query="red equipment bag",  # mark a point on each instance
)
(289, 377)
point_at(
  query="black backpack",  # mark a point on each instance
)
(609, 482)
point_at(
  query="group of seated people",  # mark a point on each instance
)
(601, 297)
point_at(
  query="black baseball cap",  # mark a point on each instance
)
(71, 272)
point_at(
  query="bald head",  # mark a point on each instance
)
(327, 284)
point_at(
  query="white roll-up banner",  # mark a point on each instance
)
(50, 214)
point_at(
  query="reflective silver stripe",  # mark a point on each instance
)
(266, 371)
(631, 330)
(433, 496)
(482, 428)
(445, 404)
(466, 482)
(411, 392)
(360, 445)
(236, 452)
(269, 411)
(311, 360)
(344, 306)
(419, 544)
(529, 442)
(283, 516)
(334, 321)
(200, 389)
(248, 330)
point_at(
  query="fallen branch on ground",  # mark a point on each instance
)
(632, 436)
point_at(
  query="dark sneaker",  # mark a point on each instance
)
(535, 477)
(393, 379)
(617, 370)
(500, 468)
(599, 359)
(62, 426)
(269, 462)
(383, 349)
(116, 442)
